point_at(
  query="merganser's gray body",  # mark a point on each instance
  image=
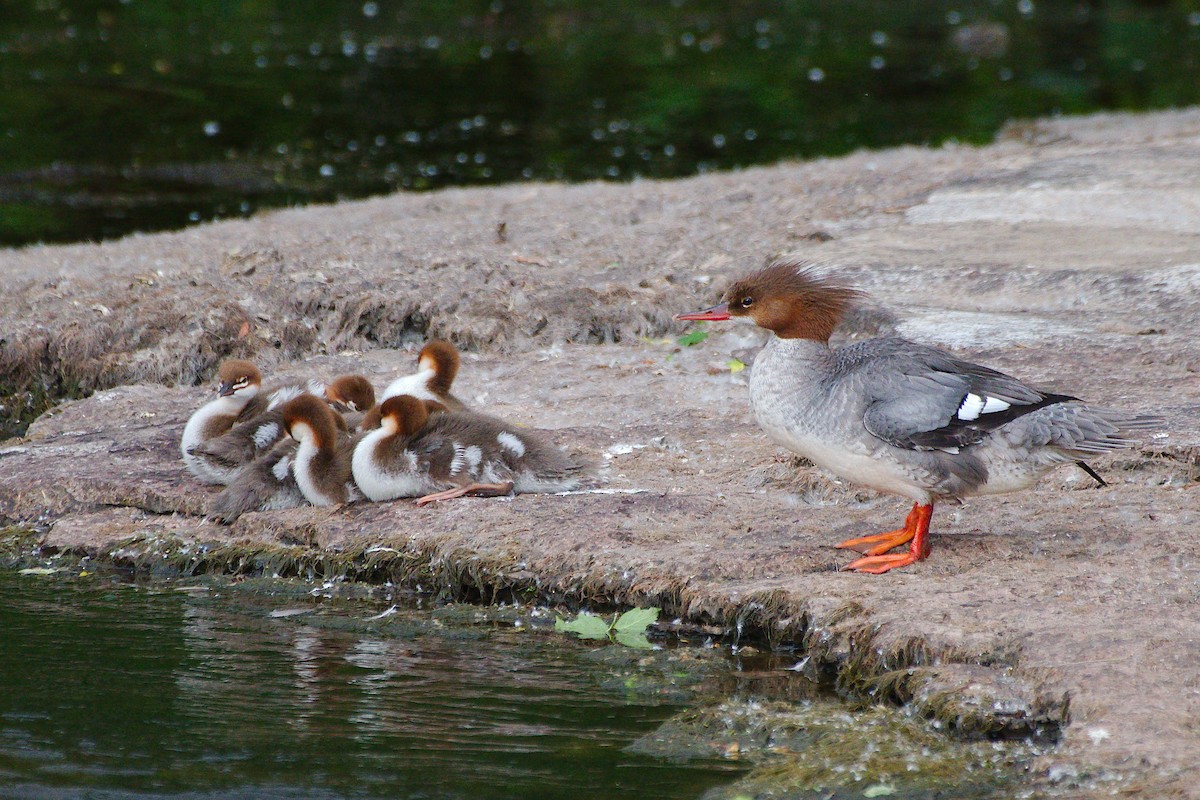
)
(912, 420)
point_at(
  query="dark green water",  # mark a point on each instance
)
(203, 688)
(127, 115)
(116, 691)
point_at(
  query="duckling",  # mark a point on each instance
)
(321, 465)
(437, 367)
(265, 484)
(246, 441)
(439, 456)
(238, 398)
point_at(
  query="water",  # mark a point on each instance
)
(263, 688)
(117, 691)
(131, 115)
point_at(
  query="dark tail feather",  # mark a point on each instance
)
(1095, 476)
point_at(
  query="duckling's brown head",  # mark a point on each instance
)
(238, 378)
(403, 414)
(353, 392)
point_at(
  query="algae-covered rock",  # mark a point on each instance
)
(821, 749)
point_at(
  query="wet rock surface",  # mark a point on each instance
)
(1065, 254)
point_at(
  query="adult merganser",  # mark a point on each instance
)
(437, 367)
(898, 416)
(238, 398)
(438, 456)
(321, 465)
(225, 454)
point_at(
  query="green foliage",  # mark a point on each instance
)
(693, 337)
(627, 629)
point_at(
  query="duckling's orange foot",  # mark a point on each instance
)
(472, 489)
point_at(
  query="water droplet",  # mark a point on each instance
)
(669, 151)
(527, 172)
(878, 62)
(618, 152)
(349, 49)
(612, 172)
(762, 26)
(327, 171)
(281, 148)
(480, 158)
(879, 38)
(816, 74)
(1137, 65)
(380, 140)
(953, 17)
(431, 42)
(1006, 74)
(597, 134)
(462, 158)
(687, 39)
(762, 43)
(718, 140)
(288, 100)
(1194, 19)
(212, 128)
(485, 52)
(370, 9)
(750, 134)
(1025, 7)
(261, 62)
(194, 216)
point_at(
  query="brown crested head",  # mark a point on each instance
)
(354, 392)
(791, 299)
(312, 412)
(406, 412)
(236, 375)
(441, 357)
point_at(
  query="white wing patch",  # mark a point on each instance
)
(460, 459)
(474, 456)
(281, 396)
(511, 443)
(973, 406)
(281, 468)
(265, 435)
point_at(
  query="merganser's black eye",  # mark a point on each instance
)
(747, 302)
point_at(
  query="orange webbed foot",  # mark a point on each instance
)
(472, 489)
(877, 560)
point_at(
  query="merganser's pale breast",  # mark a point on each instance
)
(902, 417)
(450, 454)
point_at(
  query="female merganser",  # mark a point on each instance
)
(321, 465)
(238, 399)
(453, 453)
(246, 441)
(898, 416)
(437, 367)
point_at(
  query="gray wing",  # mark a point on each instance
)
(925, 399)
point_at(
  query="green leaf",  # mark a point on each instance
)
(587, 626)
(637, 641)
(693, 337)
(736, 365)
(39, 571)
(879, 790)
(636, 620)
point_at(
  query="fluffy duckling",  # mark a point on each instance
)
(239, 397)
(439, 456)
(321, 464)
(249, 439)
(437, 367)
(265, 484)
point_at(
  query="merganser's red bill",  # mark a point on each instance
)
(715, 314)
